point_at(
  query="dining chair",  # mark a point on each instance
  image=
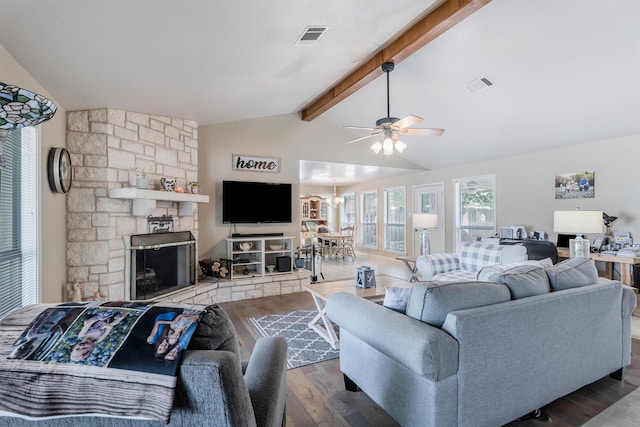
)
(348, 241)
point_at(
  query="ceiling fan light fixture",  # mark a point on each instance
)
(387, 147)
(400, 146)
(377, 147)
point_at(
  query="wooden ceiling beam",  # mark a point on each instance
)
(444, 17)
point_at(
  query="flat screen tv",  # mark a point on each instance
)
(255, 202)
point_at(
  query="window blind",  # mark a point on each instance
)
(19, 272)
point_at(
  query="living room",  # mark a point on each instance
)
(524, 168)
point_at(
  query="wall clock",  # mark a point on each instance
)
(59, 170)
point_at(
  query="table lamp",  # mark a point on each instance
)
(578, 222)
(424, 222)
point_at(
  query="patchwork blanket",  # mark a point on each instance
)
(115, 358)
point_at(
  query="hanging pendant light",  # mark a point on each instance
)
(21, 108)
(337, 200)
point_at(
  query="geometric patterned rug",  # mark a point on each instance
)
(304, 345)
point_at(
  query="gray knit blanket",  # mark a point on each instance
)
(115, 358)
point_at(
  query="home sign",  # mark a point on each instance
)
(255, 164)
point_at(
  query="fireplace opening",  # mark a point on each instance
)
(162, 263)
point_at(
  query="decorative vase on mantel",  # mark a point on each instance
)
(142, 182)
(194, 187)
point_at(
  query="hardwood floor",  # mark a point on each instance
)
(316, 394)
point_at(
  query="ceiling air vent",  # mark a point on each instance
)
(478, 85)
(311, 35)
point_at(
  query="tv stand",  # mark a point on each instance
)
(234, 235)
(259, 253)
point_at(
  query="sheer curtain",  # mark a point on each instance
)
(19, 263)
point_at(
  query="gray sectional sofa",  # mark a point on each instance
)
(486, 353)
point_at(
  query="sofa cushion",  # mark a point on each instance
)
(430, 302)
(396, 298)
(571, 273)
(524, 280)
(474, 256)
(487, 272)
(215, 332)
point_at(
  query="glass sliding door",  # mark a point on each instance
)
(348, 210)
(475, 208)
(395, 213)
(369, 219)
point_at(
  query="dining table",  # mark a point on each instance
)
(333, 242)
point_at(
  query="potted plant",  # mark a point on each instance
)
(299, 261)
(194, 187)
(141, 179)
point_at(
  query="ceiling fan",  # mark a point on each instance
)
(392, 127)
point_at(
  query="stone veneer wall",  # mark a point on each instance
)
(106, 147)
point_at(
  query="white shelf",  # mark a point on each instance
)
(259, 255)
(144, 201)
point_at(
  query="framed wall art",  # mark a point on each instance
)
(576, 185)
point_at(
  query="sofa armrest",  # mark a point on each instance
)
(210, 387)
(431, 265)
(629, 300)
(266, 379)
(422, 348)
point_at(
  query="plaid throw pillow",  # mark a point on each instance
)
(441, 263)
(474, 256)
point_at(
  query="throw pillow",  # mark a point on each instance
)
(215, 332)
(430, 302)
(525, 281)
(572, 273)
(396, 298)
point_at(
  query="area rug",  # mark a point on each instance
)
(305, 346)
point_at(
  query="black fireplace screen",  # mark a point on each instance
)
(162, 263)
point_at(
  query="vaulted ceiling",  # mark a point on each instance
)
(564, 71)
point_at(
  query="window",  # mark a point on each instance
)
(475, 208)
(395, 213)
(369, 218)
(19, 264)
(348, 213)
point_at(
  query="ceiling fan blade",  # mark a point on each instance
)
(359, 127)
(418, 131)
(406, 122)
(363, 137)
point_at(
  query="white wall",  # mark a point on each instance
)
(525, 184)
(53, 241)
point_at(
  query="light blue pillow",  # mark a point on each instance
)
(525, 281)
(572, 273)
(396, 298)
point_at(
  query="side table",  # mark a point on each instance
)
(410, 262)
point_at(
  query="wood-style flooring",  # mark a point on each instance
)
(316, 394)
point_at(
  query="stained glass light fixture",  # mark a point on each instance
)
(21, 108)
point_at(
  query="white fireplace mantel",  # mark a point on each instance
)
(144, 201)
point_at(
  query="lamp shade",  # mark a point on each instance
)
(20, 107)
(577, 222)
(425, 220)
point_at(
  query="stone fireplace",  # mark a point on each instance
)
(161, 263)
(107, 148)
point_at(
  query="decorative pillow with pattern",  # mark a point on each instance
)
(474, 256)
